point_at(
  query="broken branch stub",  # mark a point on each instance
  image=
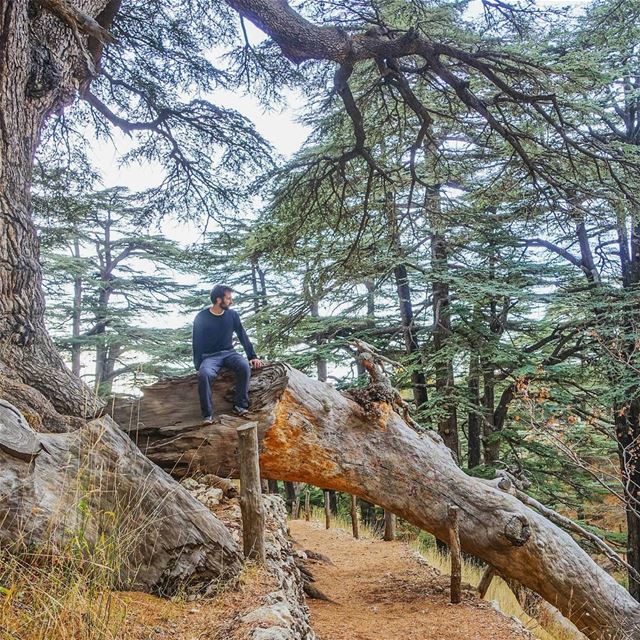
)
(17, 438)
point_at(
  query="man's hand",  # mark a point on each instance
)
(256, 363)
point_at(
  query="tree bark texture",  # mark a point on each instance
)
(310, 432)
(327, 510)
(486, 580)
(95, 483)
(290, 496)
(448, 424)
(40, 68)
(490, 441)
(474, 415)
(626, 415)
(627, 423)
(354, 517)
(307, 505)
(401, 276)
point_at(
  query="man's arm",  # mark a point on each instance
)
(244, 338)
(196, 343)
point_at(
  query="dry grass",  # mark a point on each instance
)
(62, 585)
(59, 594)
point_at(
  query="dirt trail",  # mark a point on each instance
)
(381, 591)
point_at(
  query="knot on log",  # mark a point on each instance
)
(44, 75)
(272, 379)
(369, 397)
(517, 530)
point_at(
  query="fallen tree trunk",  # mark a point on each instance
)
(309, 432)
(92, 490)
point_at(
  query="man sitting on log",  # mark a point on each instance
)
(213, 330)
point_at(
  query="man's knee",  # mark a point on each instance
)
(206, 373)
(243, 367)
(238, 365)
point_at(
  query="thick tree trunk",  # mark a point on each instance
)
(95, 483)
(626, 411)
(627, 420)
(333, 502)
(448, 424)
(490, 442)
(497, 320)
(418, 379)
(474, 420)
(76, 347)
(311, 433)
(389, 526)
(290, 494)
(39, 63)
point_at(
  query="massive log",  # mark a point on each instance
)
(93, 485)
(310, 432)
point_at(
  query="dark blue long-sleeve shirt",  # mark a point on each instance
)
(212, 334)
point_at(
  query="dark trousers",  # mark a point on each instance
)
(209, 369)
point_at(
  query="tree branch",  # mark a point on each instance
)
(539, 242)
(76, 19)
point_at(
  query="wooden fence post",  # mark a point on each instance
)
(250, 493)
(354, 517)
(389, 526)
(307, 504)
(485, 581)
(295, 511)
(327, 510)
(456, 556)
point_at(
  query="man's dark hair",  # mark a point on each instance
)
(218, 292)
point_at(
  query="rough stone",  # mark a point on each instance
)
(281, 614)
(211, 497)
(273, 633)
(273, 615)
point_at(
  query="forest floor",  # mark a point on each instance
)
(378, 590)
(384, 590)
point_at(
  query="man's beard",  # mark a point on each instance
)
(224, 305)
